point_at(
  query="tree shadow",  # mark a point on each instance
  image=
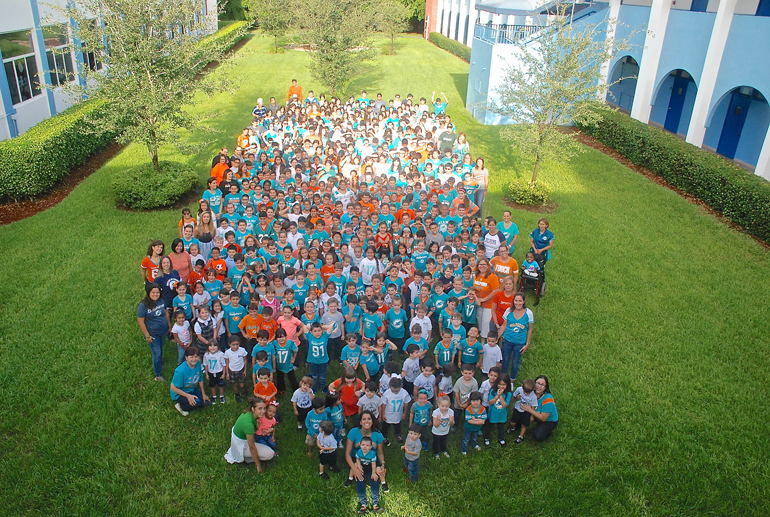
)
(461, 85)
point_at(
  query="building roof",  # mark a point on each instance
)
(510, 7)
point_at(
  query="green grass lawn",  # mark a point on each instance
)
(653, 333)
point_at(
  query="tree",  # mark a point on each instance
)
(340, 35)
(153, 51)
(558, 71)
(391, 18)
(274, 17)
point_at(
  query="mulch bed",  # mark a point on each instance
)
(16, 211)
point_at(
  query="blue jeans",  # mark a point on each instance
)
(266, 440)
(156, 347)
(361, 489)
(469, 437)
(318, 373)
(413, 467)
(199, 404)
(181, 353)
(511, 353)
(479, 198)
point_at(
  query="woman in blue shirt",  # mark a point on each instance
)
(154, 322)
(541, 239)
(365, 428)
(545, 412)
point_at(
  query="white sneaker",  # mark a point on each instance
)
(213, 399)
(182, 412)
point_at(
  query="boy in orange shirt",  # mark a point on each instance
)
(217, 264)
(268, 323)
(250, 325)
(264, 388)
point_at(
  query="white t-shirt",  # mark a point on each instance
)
(215, 362)
(183, 331)
(412, 369)
(236, 358)
(303, 399)
(443, 428)
(395, 404)
(425, 325)
(200, 299)
(530, 399)
(368, 268)
(492, 356)
(426, 383)
(484, 390)
(372, 404)
(493, 243)
(218, 321)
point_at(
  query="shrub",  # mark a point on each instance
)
(739, 195)
(34, 162)
(450, 45)
(524, 192)
(144, 188)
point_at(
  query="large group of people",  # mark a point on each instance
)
(351, 232)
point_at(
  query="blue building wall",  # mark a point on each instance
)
(478, 78)
(632, 23)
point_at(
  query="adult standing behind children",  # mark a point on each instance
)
(480, 176)
(487, 285)
(154, 321)
(180, 259)
(243, 448)
(545, 412)
(294, 89)
(517, 335)
(365, 429)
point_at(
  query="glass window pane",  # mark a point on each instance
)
(68, 68)
(20, 68)
(60, 67)
(33, 78)
(52, 68)
(11, 74)
(55, 36)
(14, 44)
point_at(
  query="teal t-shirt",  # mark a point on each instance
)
(351, 355)
(372, 324)
(317, 347)
(470, 351)
(422, 413)
(233, 316)
(313, 420)
(444, 353)
(283, 356)
(396, 323)
(186, 379)
(471, 414)
(497, 413)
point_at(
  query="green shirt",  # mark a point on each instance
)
(245, 425)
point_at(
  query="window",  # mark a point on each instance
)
(89, 59)
(20, 65)
(58, 54)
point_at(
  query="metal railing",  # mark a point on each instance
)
(504, 34)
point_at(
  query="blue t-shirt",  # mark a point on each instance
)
(300, 293)
(185, 304)
(313, 421)
(354, 435)
(469, 311)
(372, 324)
(370, 362)
(154, 319)
(516, 328)
(351, 356)
(316, 351)
(474, 414)
(497, 413)
(444, 353)
(509, 233)
(542, 240)
(422, 343)
(215, 200)
(545, 404)
(335, 416)
(268, 347)
(396, 323)
(283, 356)
(367, 460)
(186, 378)
(470, 351)
(352, 326)
(422, 413)
(419, 259)
(233, 316)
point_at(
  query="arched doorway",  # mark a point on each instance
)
(674, 102)
(738, 125)
(623, 83)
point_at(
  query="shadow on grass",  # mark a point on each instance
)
(461, 85)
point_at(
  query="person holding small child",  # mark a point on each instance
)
(243, 447)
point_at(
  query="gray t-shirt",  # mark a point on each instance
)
(413, 448)
(412, 369)
(372, 404)
(337, 318)
(465, 390)
(327, 440)
(530, 399)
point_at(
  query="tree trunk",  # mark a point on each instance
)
(155, 163)
(152, 146)
(537, 164)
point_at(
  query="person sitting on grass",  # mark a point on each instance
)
(243, 448)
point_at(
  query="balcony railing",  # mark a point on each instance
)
(504, 34)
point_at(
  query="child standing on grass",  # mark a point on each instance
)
(327, 448)
(370, 400)
(395, 402)
(419, 416)
(411, 368)
(411, 450)
(214, 364)
(463, 388)
(366, 461)
(348, 388)
(235, 366)
(524, 394)
(445, 386)
(181, 333)
(265, 389)
(302, 399)
(475, 416)
(498, 409)
(335, 415)
(443, 418)
(312, 421)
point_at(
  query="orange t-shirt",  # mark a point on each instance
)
(250, 326)
(326, 272)
(503, 302)
(270, 326)
(151, 267)
(348, 395)
(267, 393)
(219, 266)
(195, 277)
(503, 269)
(484, 286)
(218, 171)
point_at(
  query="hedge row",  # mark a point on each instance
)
(450, 45)
(739, 195)
(32, 163)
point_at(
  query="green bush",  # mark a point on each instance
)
(34, 162)
(524, 192)
(231, 34)
(144, 188)
(450, 45)
(739, 195)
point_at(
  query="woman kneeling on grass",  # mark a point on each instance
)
(243, 449)
(545, 412)
(366, 429)
(187, 376)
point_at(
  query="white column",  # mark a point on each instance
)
(447, 13)
(700, 111)
(653, 46)
(455, 29)
(763, 163)
(609, 41)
